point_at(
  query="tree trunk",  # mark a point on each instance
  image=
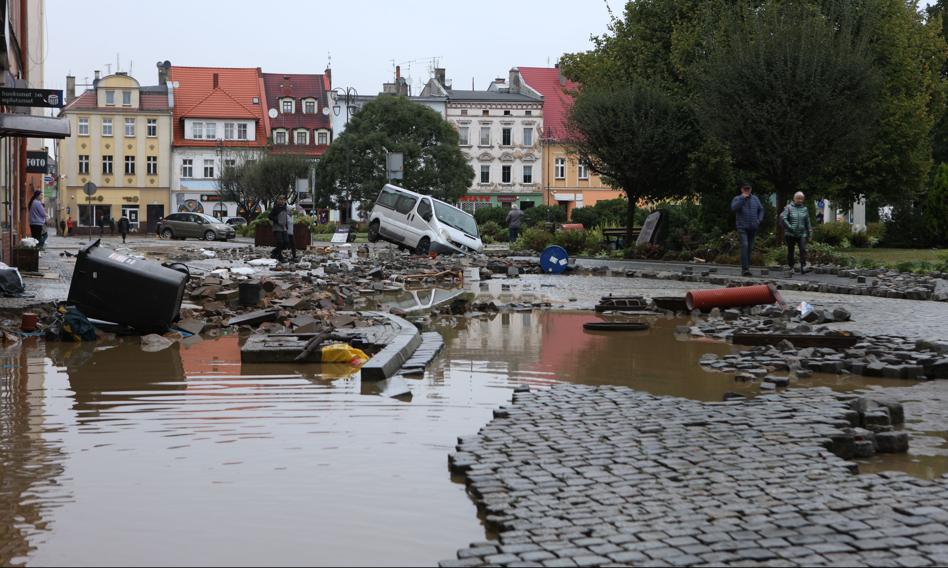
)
(630, 223)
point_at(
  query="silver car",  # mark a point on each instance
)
(196, 226)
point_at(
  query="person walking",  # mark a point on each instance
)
(749, 213)
(290, 241)
(514, 222)
(123, 226)
(38, 218)
(70, 225)
(797, 228)
(277, 218)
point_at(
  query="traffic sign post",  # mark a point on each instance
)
(89, 189)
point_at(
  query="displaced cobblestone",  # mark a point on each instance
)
(671, 481)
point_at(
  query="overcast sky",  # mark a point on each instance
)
(472, 40)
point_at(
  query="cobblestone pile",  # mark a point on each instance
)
(586, 476)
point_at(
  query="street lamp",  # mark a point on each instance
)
(348, 95)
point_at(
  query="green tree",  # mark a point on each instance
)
(353, 168)
(637, 137)
(236, 184)
(790, 92)
(275, 175)
(935, 215)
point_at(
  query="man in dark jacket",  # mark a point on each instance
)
(514, 222)
(749, 213)
(123, 226)
(277, 218)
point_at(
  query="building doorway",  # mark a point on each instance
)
(153, 214)
(131, 211)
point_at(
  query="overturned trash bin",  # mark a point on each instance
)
(110, 286)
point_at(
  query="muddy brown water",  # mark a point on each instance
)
(113, 456)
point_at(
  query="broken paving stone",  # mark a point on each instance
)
(192, 326)
(152, 343)
(892, 442)
(255, 318)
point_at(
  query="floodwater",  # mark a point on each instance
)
(114, 456)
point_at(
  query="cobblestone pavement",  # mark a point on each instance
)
(584, 476)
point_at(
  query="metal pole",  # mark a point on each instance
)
(91, 215)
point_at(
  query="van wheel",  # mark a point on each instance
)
(423, 246)
(210, 236)
(167, 234)
(374, 231)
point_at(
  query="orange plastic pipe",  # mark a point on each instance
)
(733, 297)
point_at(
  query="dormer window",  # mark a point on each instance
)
(110, 98)
(126, 98)
(309, 106)
(322, 138)
(287, 106)
(302, 137)
(279, 136)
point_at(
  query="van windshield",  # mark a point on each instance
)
(455, 218)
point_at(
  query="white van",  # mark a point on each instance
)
(422, 223)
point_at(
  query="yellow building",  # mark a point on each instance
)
(567, 182)
(121, 142)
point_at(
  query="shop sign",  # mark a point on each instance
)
(205, 197)
(480, 198)
(47, 98)
(507, 198)
(36, 162)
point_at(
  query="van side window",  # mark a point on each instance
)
(387, 198)
(405, 204)
(424, 210)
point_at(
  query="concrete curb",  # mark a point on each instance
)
(390, 359)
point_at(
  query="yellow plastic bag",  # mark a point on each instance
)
(343, 353)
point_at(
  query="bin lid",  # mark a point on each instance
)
(554, 259)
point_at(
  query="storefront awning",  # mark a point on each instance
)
(27, 126)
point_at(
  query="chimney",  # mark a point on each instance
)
(515, 80)
(398, 72)
(440, 75)
(95, 82)
(70, 89)
(217, 80)
(163, 68)
(329, 76)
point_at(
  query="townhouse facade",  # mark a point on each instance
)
(121, 143)
(569, 183)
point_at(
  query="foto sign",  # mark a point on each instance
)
(47, 98)
(36, 162)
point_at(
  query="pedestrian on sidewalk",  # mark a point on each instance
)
(290, 241)
(123, 226)
(111, 225)
(514, 222)
(277, 218)
(38, 218)
(749, 213)
(797, 229)
(62, 227)
(70, 225)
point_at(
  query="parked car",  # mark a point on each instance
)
(422, 223)
(235, 221)
(194, 225)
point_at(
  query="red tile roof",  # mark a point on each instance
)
(149, 102)
(196, 97)
(556, 101)
(298, 87)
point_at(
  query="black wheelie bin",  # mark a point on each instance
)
(113, 287)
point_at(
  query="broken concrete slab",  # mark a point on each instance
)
(191, 325)
(255, 318)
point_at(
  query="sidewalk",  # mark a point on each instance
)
(51, 283)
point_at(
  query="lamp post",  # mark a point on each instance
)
(348, 96)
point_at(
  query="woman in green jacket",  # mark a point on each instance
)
(796, 226)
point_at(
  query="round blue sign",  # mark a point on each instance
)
(553, 259)
(820, 204)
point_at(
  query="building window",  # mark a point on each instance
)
(506, 113)
(464, 134)
(505, 174)
(230, 163)
(110, 98)
(302, 137)
(583, 170)
(129, 127)
(528, 136)
(528, 174)
(279, 137)
(208, 168)
(126, 98)
(83, 127)
(485, 136)
(151, 165)
(83, 163)
(187, 168)
(106, 127)
(152, 127)
(228, 131)
(241, 132)
(197, 130)
(485, 173)
(560, 169)
(211, 132)
(309, 107)
(529, 113)
(506, 137)
(129, 165)
(287, 106)
(107, 165)
(322, 138)
(463, 112)
(485, 112)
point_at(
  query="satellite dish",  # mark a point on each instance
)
(326, 111)
(272, 113)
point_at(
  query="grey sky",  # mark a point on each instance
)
(479, 40)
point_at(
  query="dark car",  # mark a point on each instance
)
(235, 221)
(196, 226)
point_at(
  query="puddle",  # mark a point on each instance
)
(288, 464)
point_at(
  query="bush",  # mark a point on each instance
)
(645, 251)
(875, 231)
(822, 253)
(588, 216)
(493, 231)
(495, 214)
(907, 266)
(859, 239)
(539, 215)
(579, 242)
(533, 238)
(325, 229)
(614, 212)
(832, 234)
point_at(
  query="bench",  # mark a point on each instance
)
(615, 236)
